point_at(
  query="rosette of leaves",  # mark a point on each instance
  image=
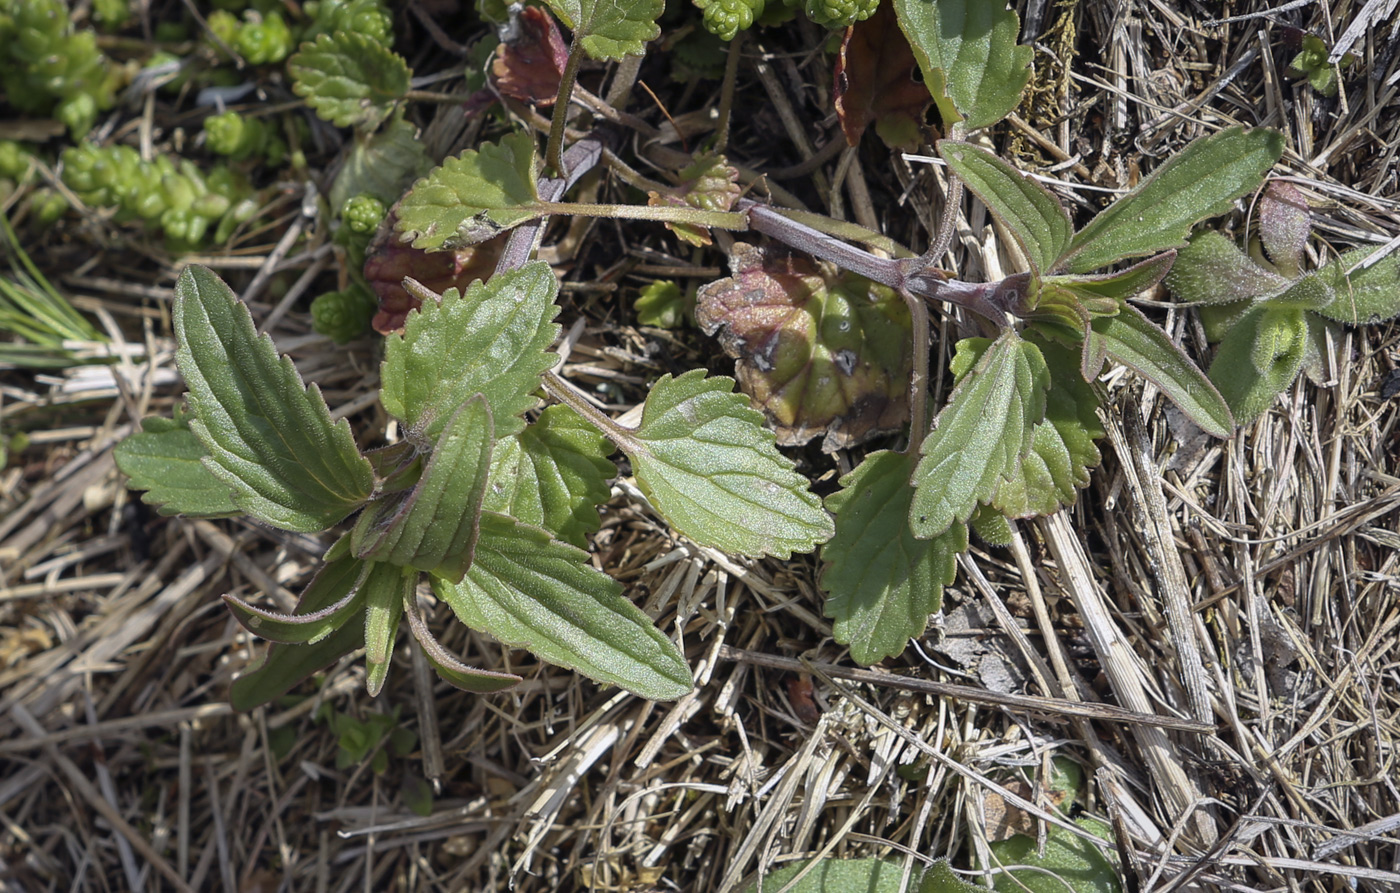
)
(709, 184)
(485, 507)
(1016, 438)
(1269, 313)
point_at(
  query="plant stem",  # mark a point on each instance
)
(556, 387)
(666, 213)
(581, 158)
(554, 150)
(432, 96)
(918, 379)
(726, 90)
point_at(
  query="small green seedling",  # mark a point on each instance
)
(1270, 314)
(1311, 63)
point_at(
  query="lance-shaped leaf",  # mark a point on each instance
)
(539, 594)
(304, 627)
(1063, 448)
(349, 79)
(1212, 270)
(819, 350)
(708, 464)
(287, 665)
(971, 62)
(446, 664)
(166, 460)
(492, 340)
(270, 438)
(1131, 339)
(882, 583)
(473, 196)
(1202, 180)
(982, 434)
(1035, 217)
(384, 589)
(433, 527)
(611, 29)
(1111, 289)
(1363, 293)
(554, 474)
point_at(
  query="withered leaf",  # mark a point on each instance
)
(530, 63)
(708, 184)
(819, 351)
(875, 82)
(388, 261)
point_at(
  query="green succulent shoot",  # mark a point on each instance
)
(1268, 312)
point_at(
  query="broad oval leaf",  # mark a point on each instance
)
(1285, 223)
(473, 196)
(286, 665)
(1131, 339)
(349, 79)
(820, 351)
(1035, 217)
(493, 340)
(875, 81)
(1202, 180)
(166, 460)
(270, 438)
(1364, 294)
(709, 466)
(532, 592)
(833, 875)
(1260, 356)
(554, 475)
(971, 62)
(981, 435)
(881, 582)
(1063, 447)
(611, 29)
(433, 527)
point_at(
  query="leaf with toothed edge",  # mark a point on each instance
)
(1035, 217)
(473, 196)
(167, 461)
(610, 29)
(270, 437)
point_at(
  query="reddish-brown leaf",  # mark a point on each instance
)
(530, 63)
(388, 261)
(875, 81)
(820, 351)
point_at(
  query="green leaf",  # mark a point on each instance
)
(661, 304)
(940, 878)
(474, 196)
(287, 665)
(1202, 180)
(981, 436)
(1068, 864)
(882, 583)
(709, 466)
(270, 438)
(1035, 217)
(1259, 358)
(1113, 288)
(539, 594)
(492, 340)
(384, 588)
(611, 29)
(166, 460)
(1132, 340)
(554, 474)
(349, 79)
(1212, 270)
(446, 664)
(1309, 292)
(1063, 448)
(968, 53)
(306, 628)
(381, 164)
(433, 527)
(1368, 294)
(833, 875)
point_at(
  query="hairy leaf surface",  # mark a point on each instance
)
(882, 583)
(708, 464)
(384, 589)
(349, 79)
(473, 196)
(1035, 217)
(1363, 294)
(981, 435)
(270, 438)
(1202, 180)
(166, 460)
(611, 29)
(493, 340)
(971, 62)
(554, 474)
(539, 594)
(1212, 270)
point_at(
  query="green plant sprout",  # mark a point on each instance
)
(1270, 315)
(488, 500)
